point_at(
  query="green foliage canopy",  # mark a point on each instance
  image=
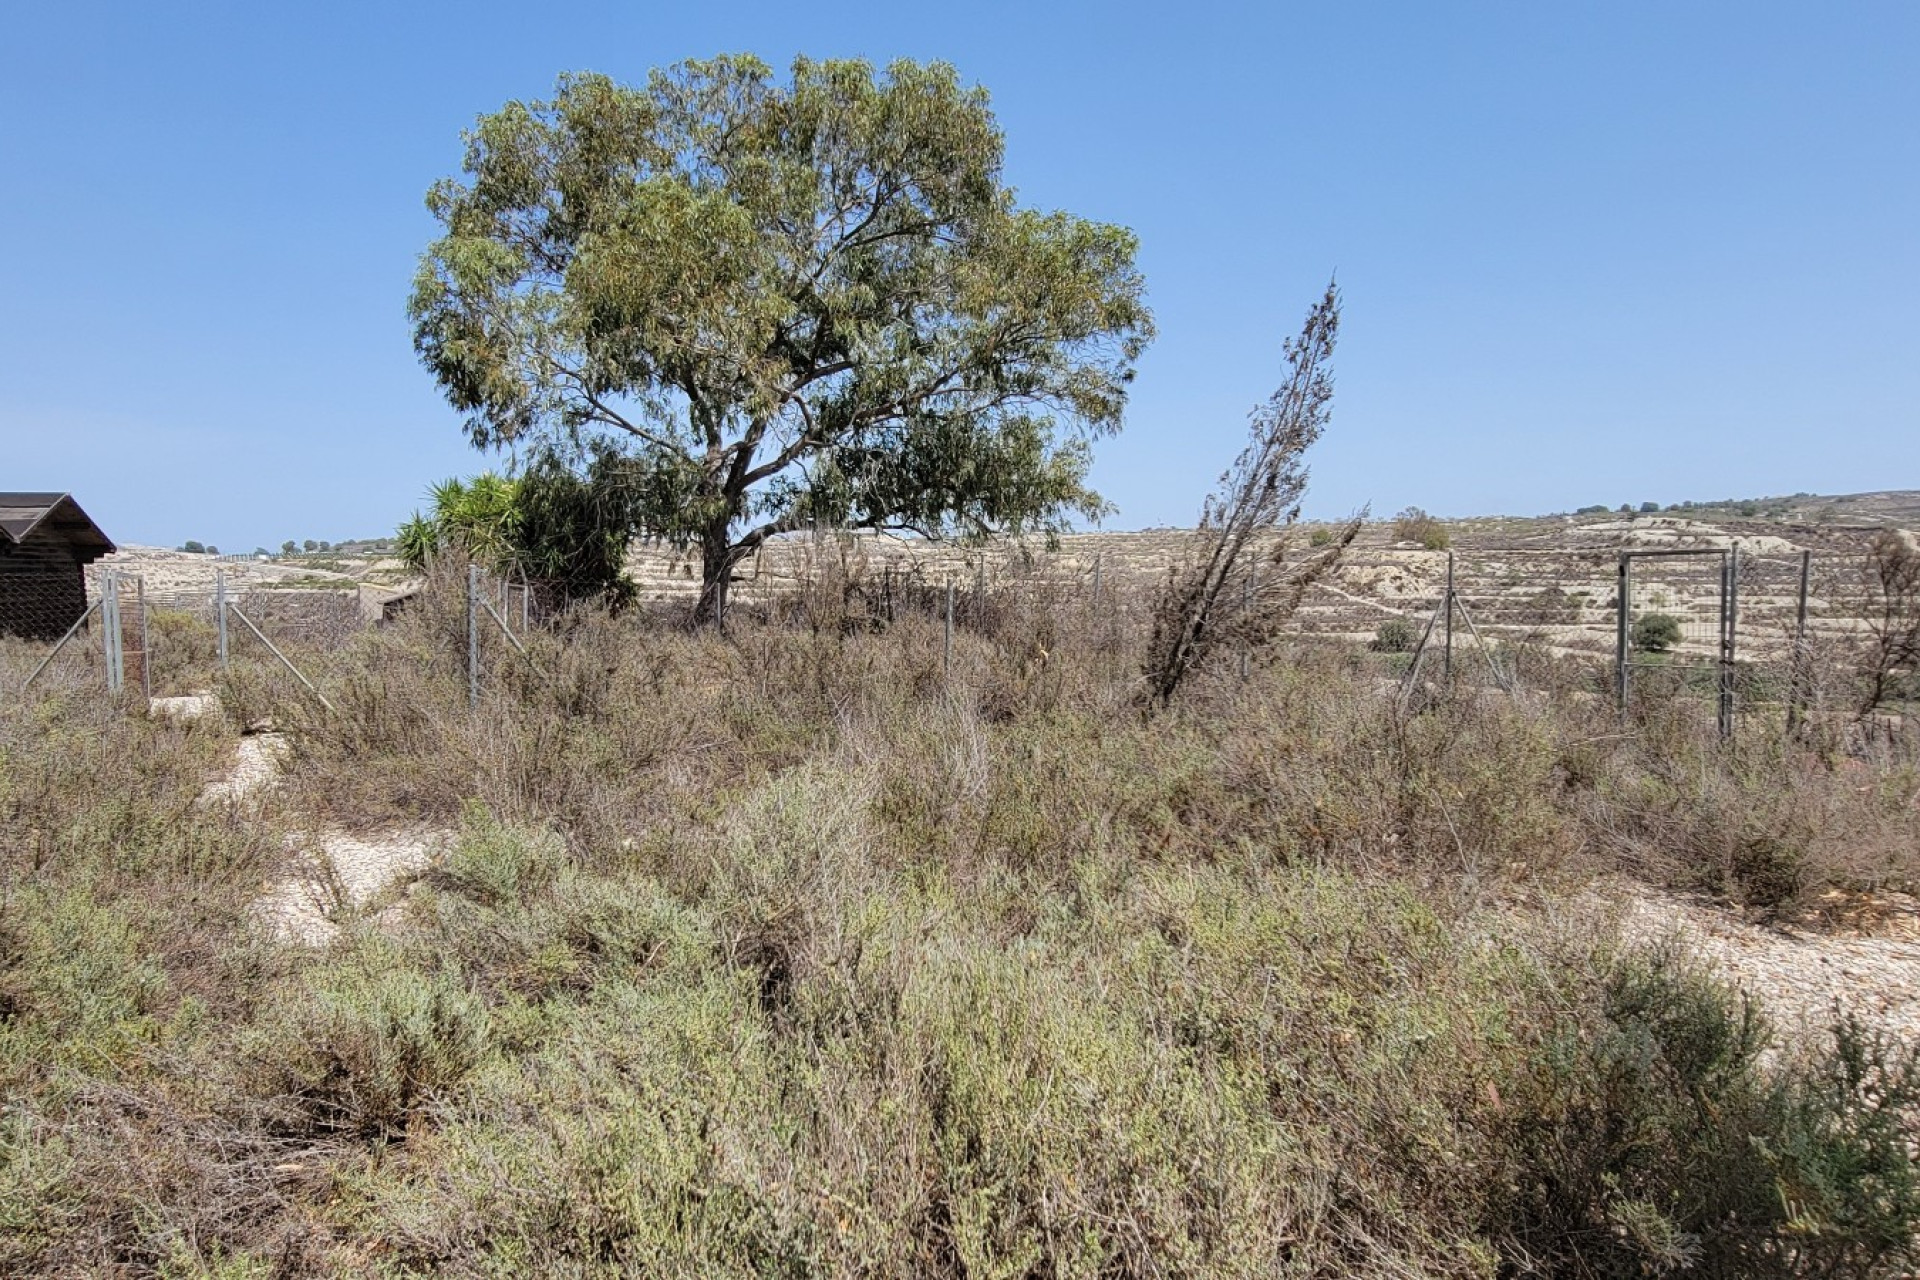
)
(1655, 632)
(474, 517)
(789, 304)
(552, 525)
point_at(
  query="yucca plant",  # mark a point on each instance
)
(473, 516)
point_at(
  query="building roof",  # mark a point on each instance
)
(24, 514)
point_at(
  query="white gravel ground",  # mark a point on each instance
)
(341, 874)
(1800, 976)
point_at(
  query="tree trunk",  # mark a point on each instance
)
(718, 557)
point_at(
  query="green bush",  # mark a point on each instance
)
(361, 1043)
(1655, 632)
(1662, 1145)
(1395, 635)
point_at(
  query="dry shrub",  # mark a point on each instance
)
(124, 947)
(359, 1045)
(1416, 526)
(1890, 661)
(1233, 586)
(183, 652)
(1760, 820)
(793, 952)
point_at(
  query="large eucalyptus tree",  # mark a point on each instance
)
(800, 303)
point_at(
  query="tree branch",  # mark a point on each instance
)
(606, 414)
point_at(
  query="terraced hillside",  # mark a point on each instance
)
(1549, 579)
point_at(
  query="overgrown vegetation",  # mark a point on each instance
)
(788, 953)
(1416, 526)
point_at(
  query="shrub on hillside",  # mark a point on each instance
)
(1395, 635)
(1415, 525)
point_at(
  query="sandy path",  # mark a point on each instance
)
(336, 874)
(339, 875)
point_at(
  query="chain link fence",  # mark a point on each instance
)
(96, 633)
(1771, 631)
(38, 605)
(131, 641)
(1744, 632)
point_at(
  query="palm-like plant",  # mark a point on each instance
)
(473, 516)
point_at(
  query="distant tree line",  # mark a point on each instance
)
(303, 546)
(1745, 507)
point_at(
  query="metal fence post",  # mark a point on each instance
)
(1729, 633)
(473, 636)
(220, 613)
(1622, 608)
(1798, 680)
(1446, 660)
(140, 613)
(110, 631)
(946, 659)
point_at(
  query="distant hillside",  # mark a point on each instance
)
(1885, 507)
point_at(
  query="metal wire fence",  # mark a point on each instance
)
(1766, 631)
(1773, 630)
(102, 631)
(38, 601)
(137, 642)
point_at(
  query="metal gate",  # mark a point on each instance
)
(1677, 621)
(120, 607)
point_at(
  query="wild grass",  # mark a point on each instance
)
(796, 952)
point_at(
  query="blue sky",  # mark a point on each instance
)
(1590, 253)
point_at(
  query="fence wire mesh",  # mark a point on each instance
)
(1799, 620)
(36, 604)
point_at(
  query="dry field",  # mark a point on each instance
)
(797, 952)
(1542, 585)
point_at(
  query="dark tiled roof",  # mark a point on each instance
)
(22, 514)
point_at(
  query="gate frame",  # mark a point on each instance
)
(1729, 557)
